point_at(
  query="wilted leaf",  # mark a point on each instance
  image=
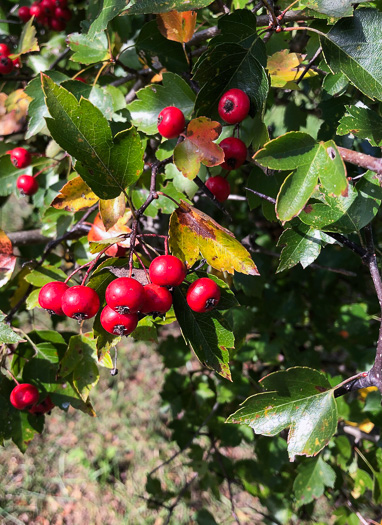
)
(28, 41)
(300, 399)
(193, 232)
(74, 196)
(13, 111)
(178, 26)
(198, 147)
(111, 210)
(7, 259)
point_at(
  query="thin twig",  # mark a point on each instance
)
(309, 65)
(262, 196)
(59, 58)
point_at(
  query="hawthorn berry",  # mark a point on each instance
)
(42, 408)
(24, 395)
(116, 323)
(61, 3)
(157, 299)
(219, 186)
(36, 11)
(57, 24)
(47, 7)
(124, 295)
(203, 295)
(62, 13)
(171, 122)
(27, 184)
(235, 153)
(20, 157)
(234, 106)
(50, 297)
(167, 270)
(6, 65)
(80, 302)
(4, 50)
(24, 13)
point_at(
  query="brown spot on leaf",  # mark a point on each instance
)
(308, 208)
(320, 388)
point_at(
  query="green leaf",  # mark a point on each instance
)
(302, 244)
(354, 47)
(109, 9)
(7, 335)
(107, 165)
(335, 9)
(89, 49)
(295, 192)
(8, 176)
(299, 399)
(152, 99)
(335, 85)
(362, 122)
(144, 7)
(45, 274)
(28, 41)
(37, 110)
(312, 478)
(98, 96)
(80, 360)
(346, 214)
(288, 151)
(208, 335)
(158, 51)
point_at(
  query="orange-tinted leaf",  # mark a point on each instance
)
(111, 210)
(75, 196)
(198, 147)
(13, 111)
(98, 232)
(177, 26)
(7, 259)
(193, 232)
(284, 70)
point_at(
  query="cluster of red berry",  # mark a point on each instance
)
(233, 108)
(53, 14)
(7, 64)
(26, 396)
(126, 297)
(21, 158)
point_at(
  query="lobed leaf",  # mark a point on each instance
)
(362, 122)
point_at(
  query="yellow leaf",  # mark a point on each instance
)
(363, 392)
(193, 232)
(177, 26)
(74, 196)
(284, 70)
(111, 210)
(365, 426)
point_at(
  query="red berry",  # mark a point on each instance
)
(24, 395)
(57, 24)
(234, 106)
(42, 408)
(24, 13)
(61, 3)
(27, 185)
(50, 297)
(62, 13)
(171, 122)
(235, 153)
(80, 302)
(20, 157)
(4, 50)
(203, 295)
(219, 186)
(156, 299)
(36, 11)
(6, 65)
(118, 324)
(124, 295)
(167, 270)
(16, 62)
(47, 7)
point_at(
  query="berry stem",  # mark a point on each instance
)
(12, 376)
(143, 266)
(44, 169)
(94, 262)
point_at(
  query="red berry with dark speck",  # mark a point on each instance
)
(27, 184)
(50, 297)
(171, 122)
(167, 270)
(235, 153)
(24, 395)
(118, 324)
(42, 408)
(20, 157)
(157, 299)
(203, 295)
(62, 13)
(219, 186)
(6, 65)
(124, 295)
(234, 106)
(24, 13)
(80, 302)
(4, 50)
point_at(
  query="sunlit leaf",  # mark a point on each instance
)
(176, 25)
(7, 259)
(74, 196)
